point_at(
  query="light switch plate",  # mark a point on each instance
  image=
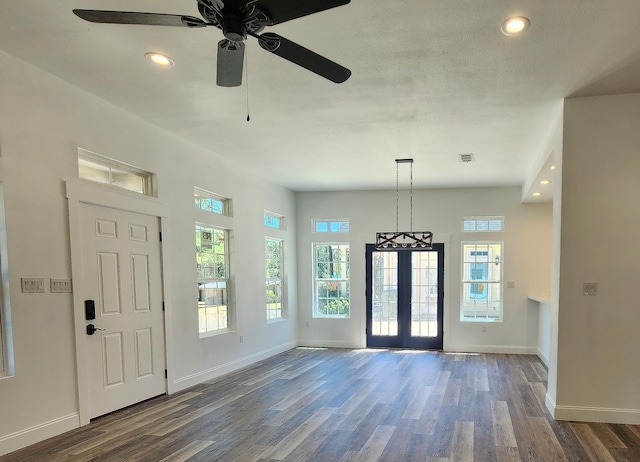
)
(60, 286)
(590, 289)
(32, 285)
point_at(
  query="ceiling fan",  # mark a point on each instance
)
(237, 19)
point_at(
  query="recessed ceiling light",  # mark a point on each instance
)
(515, 25)
(545, 182)
(536, 194)
(159, 59)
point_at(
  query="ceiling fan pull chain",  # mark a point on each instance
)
(246, 78)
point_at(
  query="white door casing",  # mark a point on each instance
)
(121, 261)
(117, 261)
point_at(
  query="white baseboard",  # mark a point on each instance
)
(502, 349)
(593, 414)
(214, 372)
(543, 357)
(328, 344)
(37, 433)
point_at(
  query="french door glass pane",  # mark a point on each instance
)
(385, 293)
(424, 294)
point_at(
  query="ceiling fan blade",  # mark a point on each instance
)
(303, 57)
(230, 63)
(147, 19)
(284, 10)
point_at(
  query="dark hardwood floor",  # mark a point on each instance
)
(350, 405)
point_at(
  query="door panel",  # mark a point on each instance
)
(405, 297)
(121, 261)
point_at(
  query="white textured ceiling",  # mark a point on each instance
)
(430, 79)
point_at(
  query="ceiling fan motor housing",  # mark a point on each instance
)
(234, 29)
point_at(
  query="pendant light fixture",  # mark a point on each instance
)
(404, 239)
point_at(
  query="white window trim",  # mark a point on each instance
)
(463, 281)
(227, 203)
(274, 215)
(281, 280)
(483, 218)
(148, 178)
(227, 280)
(315, 313)
(329, 220)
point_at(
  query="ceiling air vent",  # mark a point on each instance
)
(468, 157)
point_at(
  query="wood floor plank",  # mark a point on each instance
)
(607, 436)
(331, 405)
(183, 454)
(462, 442)
(288, 444)
(502, 426)
(591, 443)
(415, 407)
(507, 454)
(375, 445)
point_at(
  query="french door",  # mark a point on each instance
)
(405, 297)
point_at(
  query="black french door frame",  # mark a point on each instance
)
(404, 339)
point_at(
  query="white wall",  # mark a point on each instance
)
(598, 377)
(527, 259)
(42, 123)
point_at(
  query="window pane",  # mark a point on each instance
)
(127, 180)
(274, 270)
(93, 171)
(212, 306)
(210, 202)
(211, 264)
(273, 258)
(481, 281)
(384, 309)
(332, 279)
(101, 169)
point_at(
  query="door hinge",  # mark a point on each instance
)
(163, 306)
(166, 375)
(160, 235)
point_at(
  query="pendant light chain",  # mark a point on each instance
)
(397, 202)
(411, 201)
(405, 239)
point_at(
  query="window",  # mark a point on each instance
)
(330, 226)
(331, 280)
(6, 356)
(274, 271)
(481, 298)
(212, 260)
(211, 202)
(272, 220)
(491, 224)
(94, 167)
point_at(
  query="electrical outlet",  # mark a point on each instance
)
(590, 288)
(484, 328)
(32, 285)
(241, 339)
(511, 284)
(306, 324)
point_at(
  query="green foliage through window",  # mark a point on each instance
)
(331, 276)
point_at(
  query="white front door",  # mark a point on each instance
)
(122, 275)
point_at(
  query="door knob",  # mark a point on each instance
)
(91, 329)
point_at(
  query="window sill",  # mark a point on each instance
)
(215, 333)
